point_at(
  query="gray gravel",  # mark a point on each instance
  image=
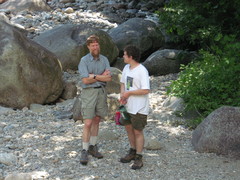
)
(46, 144)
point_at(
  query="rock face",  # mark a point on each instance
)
(28, 72)
(167, 61)
(219, 132)
(21, 5)
(139, 32)
(114, 85)
(68, 43)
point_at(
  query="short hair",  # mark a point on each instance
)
(92, 39)
(133, 51)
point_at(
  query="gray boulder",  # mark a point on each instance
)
(113, 105)
(152, 144)
(219, 133)
(76, 109)
(119, 63)
(29, 5)
(114, 85)
(167, 61)
(139, 32)
(68, 43)
(69, 90)
(174, 103)
(8, 159)
(28, 72)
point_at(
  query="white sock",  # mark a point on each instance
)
(85, 145)
(93, 140)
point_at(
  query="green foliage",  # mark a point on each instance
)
(192, 124)
(206, 26)
(212, 81)
(197, 24)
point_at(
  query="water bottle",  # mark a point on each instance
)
(124, 112)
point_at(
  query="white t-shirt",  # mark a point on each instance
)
(137, 78)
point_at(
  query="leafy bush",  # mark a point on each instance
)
(207, 27)
(212, 81)
(196, 24)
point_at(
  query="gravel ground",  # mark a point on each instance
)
(47, 145)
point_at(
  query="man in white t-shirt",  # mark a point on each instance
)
(135, 87)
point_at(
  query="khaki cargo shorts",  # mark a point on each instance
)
(94, 103)
(138, 121)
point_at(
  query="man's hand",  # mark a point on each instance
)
(91, 76)
(124, 96)
(106, 72)
(123, 100)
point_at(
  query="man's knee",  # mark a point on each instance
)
(97, 119)
(87, 123)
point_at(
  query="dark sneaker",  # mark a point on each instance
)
(84, 157)
(137, 162)
(130, 156)
(93, 150)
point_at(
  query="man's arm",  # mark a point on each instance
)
(104, 77)
(123, 100)
(126, 94)
(89, 80)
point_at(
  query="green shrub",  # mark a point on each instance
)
(212, 81)
(206, 26)
(196, 24)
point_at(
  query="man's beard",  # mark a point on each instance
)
(95, 54)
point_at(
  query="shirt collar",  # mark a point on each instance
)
(91, 57)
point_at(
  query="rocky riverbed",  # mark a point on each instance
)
(42, 142)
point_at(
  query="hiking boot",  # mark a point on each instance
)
(93, 150)
(130, 156)
(84, 157)
(137, 162)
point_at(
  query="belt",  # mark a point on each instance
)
(97, 87)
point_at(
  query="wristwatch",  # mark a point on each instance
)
(94, 77)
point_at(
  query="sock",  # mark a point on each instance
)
(85, 145)
(93, 140)
(140, 153)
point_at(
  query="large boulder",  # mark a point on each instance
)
(139, 32)
(28, 72)
(219, 133)
(167, 61)
(114, 85)
(76, 109)
(68, 43)
(29, 5)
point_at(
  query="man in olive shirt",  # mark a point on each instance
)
(94, 72)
